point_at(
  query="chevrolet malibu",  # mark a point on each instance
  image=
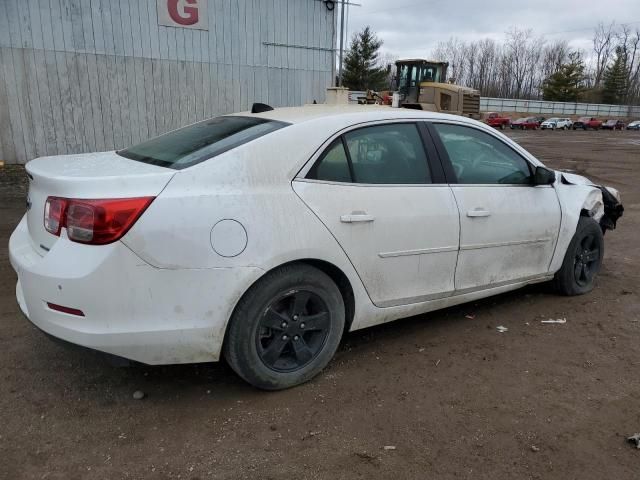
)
(264, 237)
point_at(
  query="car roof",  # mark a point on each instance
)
(356, 113)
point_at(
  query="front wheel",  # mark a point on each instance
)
(502, 126)
(582, 260)
(286, 328)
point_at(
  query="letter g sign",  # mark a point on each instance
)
(190, 13)
(183, 13)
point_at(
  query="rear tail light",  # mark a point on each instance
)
(54, 214)
(95, 222)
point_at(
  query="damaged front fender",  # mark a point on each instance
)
(605, 205)
(578, 197)
(613, 208)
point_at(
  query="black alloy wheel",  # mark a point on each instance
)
(292, 331)
(582, 259)
(286, 327)
(587, 257)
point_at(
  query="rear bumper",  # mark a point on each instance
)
(131, 309)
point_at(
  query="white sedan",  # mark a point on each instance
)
(264, 237)
(554, 123)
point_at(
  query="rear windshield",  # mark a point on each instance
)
(200, 141)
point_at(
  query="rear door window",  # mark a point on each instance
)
(201, 141)
(388, 154)
(333, 165)
(381, 154)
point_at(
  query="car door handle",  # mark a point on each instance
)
(356, 217)
(478, 212)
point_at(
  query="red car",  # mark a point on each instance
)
(587, 122)
(526, 123)
(497, 121)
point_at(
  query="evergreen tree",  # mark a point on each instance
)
(616, 79)
(361, 70)
(566, 84)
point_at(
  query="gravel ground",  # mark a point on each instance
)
(443, 395)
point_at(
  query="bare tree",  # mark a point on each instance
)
(629, 40)
(603, 47)
(519, 66)
(522, 55)
(387, 61)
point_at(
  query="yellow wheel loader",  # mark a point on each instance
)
(422, 86)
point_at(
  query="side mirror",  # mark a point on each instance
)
(544, 176)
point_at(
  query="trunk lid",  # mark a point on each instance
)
(86, 176)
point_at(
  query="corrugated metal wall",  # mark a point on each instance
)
(91, 75)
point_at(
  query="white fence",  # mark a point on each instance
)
(558, 108)
(488, 104)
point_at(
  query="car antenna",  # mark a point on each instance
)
(261, 107)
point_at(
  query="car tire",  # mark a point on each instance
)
(582, 260)
(502, 126)
(268, 343)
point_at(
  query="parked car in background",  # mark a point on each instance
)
(497, 121)
(250, 236)
(555, 122)
(586, 123)
(614, 125)
(635, 125)
(526, 123)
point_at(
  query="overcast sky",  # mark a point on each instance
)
(412, 28)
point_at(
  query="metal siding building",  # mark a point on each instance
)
(92, 75)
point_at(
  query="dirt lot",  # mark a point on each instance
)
(454, 397)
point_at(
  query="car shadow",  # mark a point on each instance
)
(91, 371)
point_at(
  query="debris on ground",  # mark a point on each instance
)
(365, 456)
(635, 439)
(438, 362)
(557, 320)
(311, 435)
(470, 317)
(534, 448)
(389, 447)
(502, 329)
(139, 395)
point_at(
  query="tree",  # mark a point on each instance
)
(566, 84)
(616, 79)
(603, 43)
(361, 67)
